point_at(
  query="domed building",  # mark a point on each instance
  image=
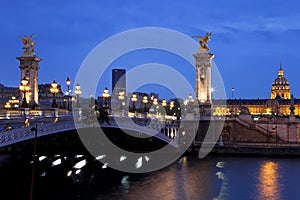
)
(280, 104)
(281, 87)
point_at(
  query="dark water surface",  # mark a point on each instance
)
(189, 178)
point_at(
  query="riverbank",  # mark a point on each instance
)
(271, 151)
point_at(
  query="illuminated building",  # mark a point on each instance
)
(281, 87)
(279, 104)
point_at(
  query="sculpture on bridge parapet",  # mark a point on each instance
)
(28, 44)
(203, 41)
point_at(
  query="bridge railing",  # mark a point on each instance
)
(156, 128)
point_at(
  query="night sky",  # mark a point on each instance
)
(250, 37)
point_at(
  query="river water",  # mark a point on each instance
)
(188, 178)
(215, 178)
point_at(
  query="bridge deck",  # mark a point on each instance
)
(46, 128)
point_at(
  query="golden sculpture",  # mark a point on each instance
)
(28, 44)
(203, 41)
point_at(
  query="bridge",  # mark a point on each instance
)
(21, 129)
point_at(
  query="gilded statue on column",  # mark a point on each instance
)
(203, 41)
(28, 44)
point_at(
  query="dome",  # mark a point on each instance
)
(280, 81)
(280, 86)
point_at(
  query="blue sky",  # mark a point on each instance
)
(250, 37)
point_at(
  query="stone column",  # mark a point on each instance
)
(203, 75)
(29, 66)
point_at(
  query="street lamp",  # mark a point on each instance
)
(164, 103)
(133, 99)
(155, 101)
(232, 110)
(105, 96)
(121, 98)
(7, 105)
(77, 93)
(68, 82)
(24, 88)
(171, 105)
(14, 102)
(54, 90)
(190, 99)
(145, 101)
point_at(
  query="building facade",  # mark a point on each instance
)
(280, 104)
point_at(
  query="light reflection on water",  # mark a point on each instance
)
(269, 186)
(210, 178)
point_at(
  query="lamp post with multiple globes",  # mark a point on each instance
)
(164, 103)
(105, 96)
(232, 109)
(155, 103)
(133, 99)
(145, 101)
(77, 93)
(121, 99)
(171, 107)
(24, 88)
(14, 102)
(68, 82)
(7, 105)
(54, 90)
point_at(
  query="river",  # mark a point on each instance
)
(188, 178)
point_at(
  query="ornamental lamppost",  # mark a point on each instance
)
(164, 103)
(190, 99)
(77, 93)
(155, 104)
(14, 102)
(7, 105)
(121, 98)
(171, 106)
(232, 109)
(105, 96)
(145, 101)
(133, 99)
(54, 90)
(189, 104)
(155, 101)
(68, 82)
(24, 88)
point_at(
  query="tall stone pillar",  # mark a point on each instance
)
(29, 66)
(203, 75)
(203, 70)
